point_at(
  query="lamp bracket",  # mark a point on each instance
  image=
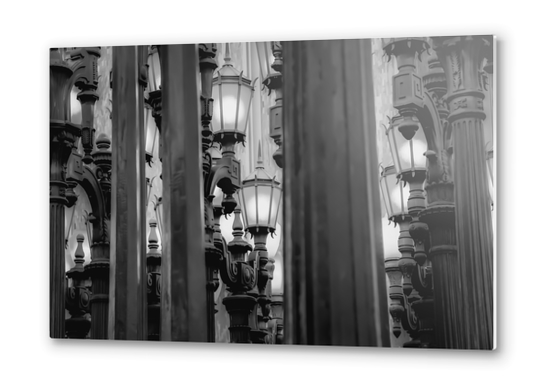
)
(226, 174)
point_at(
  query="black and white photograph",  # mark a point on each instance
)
(332, 192)
(283, 192)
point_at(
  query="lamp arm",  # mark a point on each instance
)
(429, 119)
(409, 320)
(237, 275)
(225, 174)
(90, 184)
(438, 141)
(228, 269)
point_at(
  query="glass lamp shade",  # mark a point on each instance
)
(232, 95)
(277, 287)
(260, 198)
(155, 75)
(408, 155)
(394, 195)
(151, 133)
(218, 196)
(76, 114)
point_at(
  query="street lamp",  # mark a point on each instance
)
(261, 196)
(407, 154)
(395, 203)
(233, 95)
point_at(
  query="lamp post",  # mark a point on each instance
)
(63, 136)
(260, 199)
(408, 157)
(462, 59)
(426, 102)
(240, 277)
(395, 203)
(225, 101)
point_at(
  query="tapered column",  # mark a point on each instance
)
(335, 291)
(184, 303)
(128, 305)
(462, 59)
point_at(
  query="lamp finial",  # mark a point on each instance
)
(227, 55)
(260, 160)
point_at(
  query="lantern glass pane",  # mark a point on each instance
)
(395, 196)
(225, 107)
(264, 203)
(218, 197)
(277, 287)
(76, 116)
(246, 99)
(226, 227)
(151, 131)
(275, 206)
(248, 204)
(231, 107)
(155, 76)
(407, 154)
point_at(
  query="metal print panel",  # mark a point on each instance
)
(332, 192)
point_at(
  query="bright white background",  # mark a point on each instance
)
(28, 30)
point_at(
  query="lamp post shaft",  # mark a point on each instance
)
(184, 300)
(62, 140)
(462, 58)
(128, 307)
(332, 205)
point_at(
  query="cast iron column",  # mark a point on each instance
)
(184, 298)
(128, 306)
(462, 59)
(335, 290)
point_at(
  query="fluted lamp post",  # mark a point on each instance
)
(260, 199)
